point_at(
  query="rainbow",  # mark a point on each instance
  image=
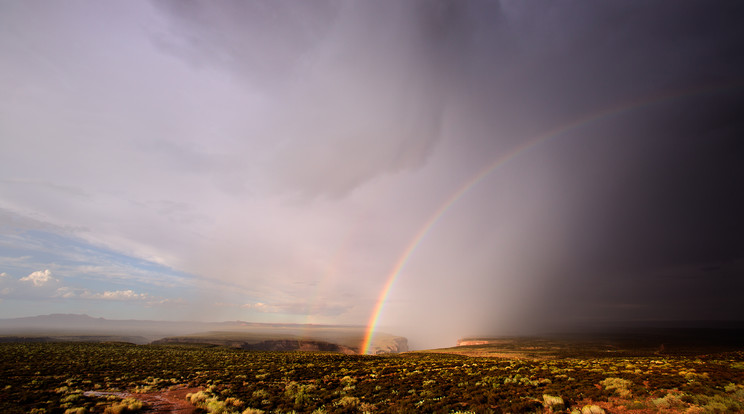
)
(584, 121)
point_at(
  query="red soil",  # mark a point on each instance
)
(171, 401)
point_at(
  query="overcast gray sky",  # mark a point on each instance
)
(275, 160)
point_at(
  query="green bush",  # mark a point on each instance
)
(553, 403)
(668, 401)
(722, 404)
(215, 406)
(197, 398)
(592, 409)
(347, 401)
(618, 385)
(127, 405)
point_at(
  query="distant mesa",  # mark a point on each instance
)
(236, 334)
(667, 338)
(307, 345)
(344, 341)
(390, 345)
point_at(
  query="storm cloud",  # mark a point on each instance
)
(273, 160)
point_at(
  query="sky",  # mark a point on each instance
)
(442, 168)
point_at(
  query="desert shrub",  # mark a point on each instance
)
(261, 394)
(636, 405)
(668, 401)
(215, 406)
(714, 404)
(115, 409)
(347, 401)
(715, 407)
(252, 411)
(232, 401)
(291, 389)
(208, 402)
(143, 389)
(133, 404)
(299, 392)
(618, 385)
(127, 405)
(76, 410)
(367, 408)
(722, 404)
(592, 409)
(301, 397)
(736, 389)
(71, 398)
(554, 403)
(197, 397)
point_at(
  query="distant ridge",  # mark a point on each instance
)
(248, 335)
(647, 338)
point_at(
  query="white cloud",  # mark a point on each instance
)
(42, 285)
(261, 307)
(40, 278)
(166, 302)
(115, 295)
(66, 292)
(298, 308)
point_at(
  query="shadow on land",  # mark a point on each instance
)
(667, 338)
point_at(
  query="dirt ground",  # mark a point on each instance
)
(172, 401)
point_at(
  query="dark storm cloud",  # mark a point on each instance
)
(356, 87)
(656, 187)
(260, 144)
(652, 187)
